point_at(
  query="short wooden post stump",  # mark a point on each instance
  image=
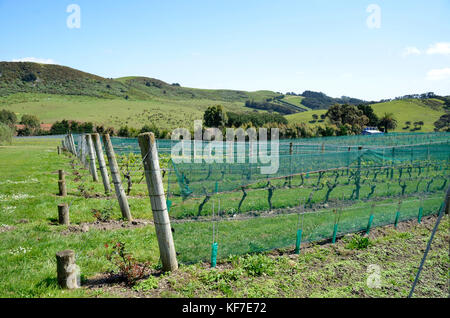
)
(63, 214)
(68, 272)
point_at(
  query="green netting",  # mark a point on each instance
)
(320, 182)
(127, 145)
(199, 179)
(193, 239)
(337, 185)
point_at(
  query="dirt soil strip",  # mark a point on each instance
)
(106, 226)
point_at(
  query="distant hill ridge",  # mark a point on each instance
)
(28, 77)
(56, 79)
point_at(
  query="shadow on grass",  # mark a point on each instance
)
(49, 282)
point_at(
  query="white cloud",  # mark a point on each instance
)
(35, 60)
(439, 48)
(439, 74)
(410, 50)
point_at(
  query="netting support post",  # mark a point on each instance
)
(101, 162)
(447, 201)
(92, 166)
(115, 175)
(152, 172)
(291, 152)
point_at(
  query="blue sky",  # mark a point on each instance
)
(283, 45)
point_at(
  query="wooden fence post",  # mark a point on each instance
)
(62, 183)
(72, 145)
(101, 162)
(115, 174)
(59, 150)
(92, 167)
(85, 152)
(155, 187)
(80, 141)
(67, 271)
(63, 214)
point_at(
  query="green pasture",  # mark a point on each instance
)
(412, 110)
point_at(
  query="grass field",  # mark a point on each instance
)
(404, 110)
(296, 100)
(166, 113)
(29, 240)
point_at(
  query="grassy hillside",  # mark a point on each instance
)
(412, 110)
(150, 87)
(54, 92)
(166, 113)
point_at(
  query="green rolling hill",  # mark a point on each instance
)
(427, 110)
(54, 92)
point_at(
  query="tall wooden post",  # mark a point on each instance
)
(101, 162)
(79, 150)
(155, 187)
(85, 152)
(92, 167)
(72, 144)
(115, 174)
(82, 150)
(291, 152)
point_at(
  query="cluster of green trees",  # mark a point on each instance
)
(6, 133)
(318, 100)
(255, 119)
(443, 123)
(351, 119)
(9, 120)
(126, 131)
(344, 119)
(64, 126)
